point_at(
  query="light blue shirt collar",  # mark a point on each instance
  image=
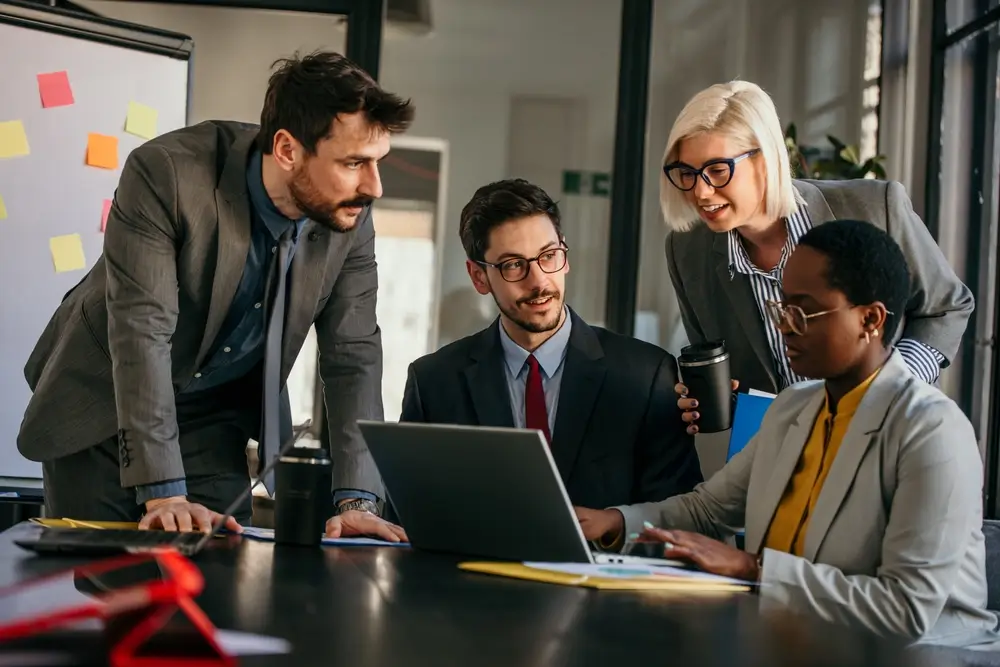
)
(273, 220)
(549, 354)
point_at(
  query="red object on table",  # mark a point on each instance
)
(133, 613)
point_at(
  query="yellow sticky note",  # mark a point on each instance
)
(13, 140)
(102, 151)
(3, 210)
(67, 253)
(141, 120)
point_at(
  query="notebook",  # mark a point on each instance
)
(622, 577)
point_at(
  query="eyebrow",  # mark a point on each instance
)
(513, 255)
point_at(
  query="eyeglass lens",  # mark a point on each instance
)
(549, 261)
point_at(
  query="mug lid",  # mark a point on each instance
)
(705, 350)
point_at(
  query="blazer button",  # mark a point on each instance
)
(313, 236)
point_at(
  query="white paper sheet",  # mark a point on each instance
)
(625, 571)
(235, 643)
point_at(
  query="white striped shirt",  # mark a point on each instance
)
(923, 360)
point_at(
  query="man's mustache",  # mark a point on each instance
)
(538, 295)
(360, 202)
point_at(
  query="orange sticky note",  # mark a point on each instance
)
(54, 89)
(102, 151)
(104, 213)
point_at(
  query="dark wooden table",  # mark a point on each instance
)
(357, 607)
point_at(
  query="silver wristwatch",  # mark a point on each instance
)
(360, 505)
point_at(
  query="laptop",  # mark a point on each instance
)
(482, 492)
(85, 541)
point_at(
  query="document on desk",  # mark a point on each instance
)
(267, 535)
(612, 576)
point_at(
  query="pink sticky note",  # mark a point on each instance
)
(104, 213)
(54, 89)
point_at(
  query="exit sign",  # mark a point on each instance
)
(591, 183)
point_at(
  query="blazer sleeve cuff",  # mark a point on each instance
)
(635, 516)
(175, 487)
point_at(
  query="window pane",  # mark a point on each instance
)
(960, 12)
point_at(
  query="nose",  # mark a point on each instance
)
(536, 278)
(702, 190)
(371, 182)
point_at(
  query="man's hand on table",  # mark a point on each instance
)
(176, 514)
(604, 526)
(355, 523)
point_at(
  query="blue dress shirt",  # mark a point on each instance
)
(550, 356)
(239, 347)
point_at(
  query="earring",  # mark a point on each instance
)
(875, 333)
(868, 337)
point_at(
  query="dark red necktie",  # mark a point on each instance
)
(535, 415)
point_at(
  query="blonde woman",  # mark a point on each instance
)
(735, 214)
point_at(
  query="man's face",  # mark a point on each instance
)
(534, 303)
(334, 185)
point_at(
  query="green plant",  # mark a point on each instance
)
(840, 162)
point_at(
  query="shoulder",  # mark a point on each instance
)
(451, 356)
(626, 349)
(791, 401)
(922, 409)
(692, 242)
(196, 150)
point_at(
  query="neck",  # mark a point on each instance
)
(529, 340)
(763, 233)
(277, 188)
(837, 388)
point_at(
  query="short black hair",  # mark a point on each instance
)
(499, 202)
(866, 264)
(305, 95)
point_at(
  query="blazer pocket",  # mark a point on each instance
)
(88, 324)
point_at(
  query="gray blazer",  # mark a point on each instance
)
(137, 327)
(713, 306)
(895, 544)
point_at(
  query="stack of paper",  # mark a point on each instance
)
(612, 577)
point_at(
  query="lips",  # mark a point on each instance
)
(539, 301)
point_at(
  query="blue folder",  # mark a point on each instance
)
(747, 417)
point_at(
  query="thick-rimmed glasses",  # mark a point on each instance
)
(516, 269)
(717, 173)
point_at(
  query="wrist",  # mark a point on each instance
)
(153, 503)
(613, 537)
(356, 504)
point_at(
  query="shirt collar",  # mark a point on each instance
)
(273, 220)
(549, 354)
(797, 224)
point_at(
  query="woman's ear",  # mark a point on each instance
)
(874, 317)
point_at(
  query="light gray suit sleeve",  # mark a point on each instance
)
(940, 305)
(350, 364)
(933, 512)
(140, 251)
(716, 507)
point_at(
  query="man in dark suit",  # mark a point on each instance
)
(225, 244)
(605, 402)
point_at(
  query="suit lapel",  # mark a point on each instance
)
(305, 280)
(744, 305)
(582, 376)
(785, 462)
(487, 380)
(233, 205)
(867, 421)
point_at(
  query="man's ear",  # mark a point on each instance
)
(477, 273)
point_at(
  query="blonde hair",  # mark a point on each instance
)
(745, 114)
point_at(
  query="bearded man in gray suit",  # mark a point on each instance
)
(225, 244)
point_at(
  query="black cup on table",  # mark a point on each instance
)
(704, 369)
(302, 481)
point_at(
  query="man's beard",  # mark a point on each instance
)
(308, 200)
(514, 315)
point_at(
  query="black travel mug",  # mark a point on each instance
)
(704, 368)
(302, 481)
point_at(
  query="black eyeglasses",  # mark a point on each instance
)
(717, 173)
(517, 268)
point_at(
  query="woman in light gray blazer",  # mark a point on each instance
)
(735, 214)
(861, 495)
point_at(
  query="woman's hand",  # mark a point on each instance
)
(688, 405)
(708, 554)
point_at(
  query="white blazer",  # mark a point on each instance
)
(895, 543)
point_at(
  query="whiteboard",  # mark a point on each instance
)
(52, 192)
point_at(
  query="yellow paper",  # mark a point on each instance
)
(67, 253)
(3, 210)
(141, 120)
(638, 583)
(13, 140)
